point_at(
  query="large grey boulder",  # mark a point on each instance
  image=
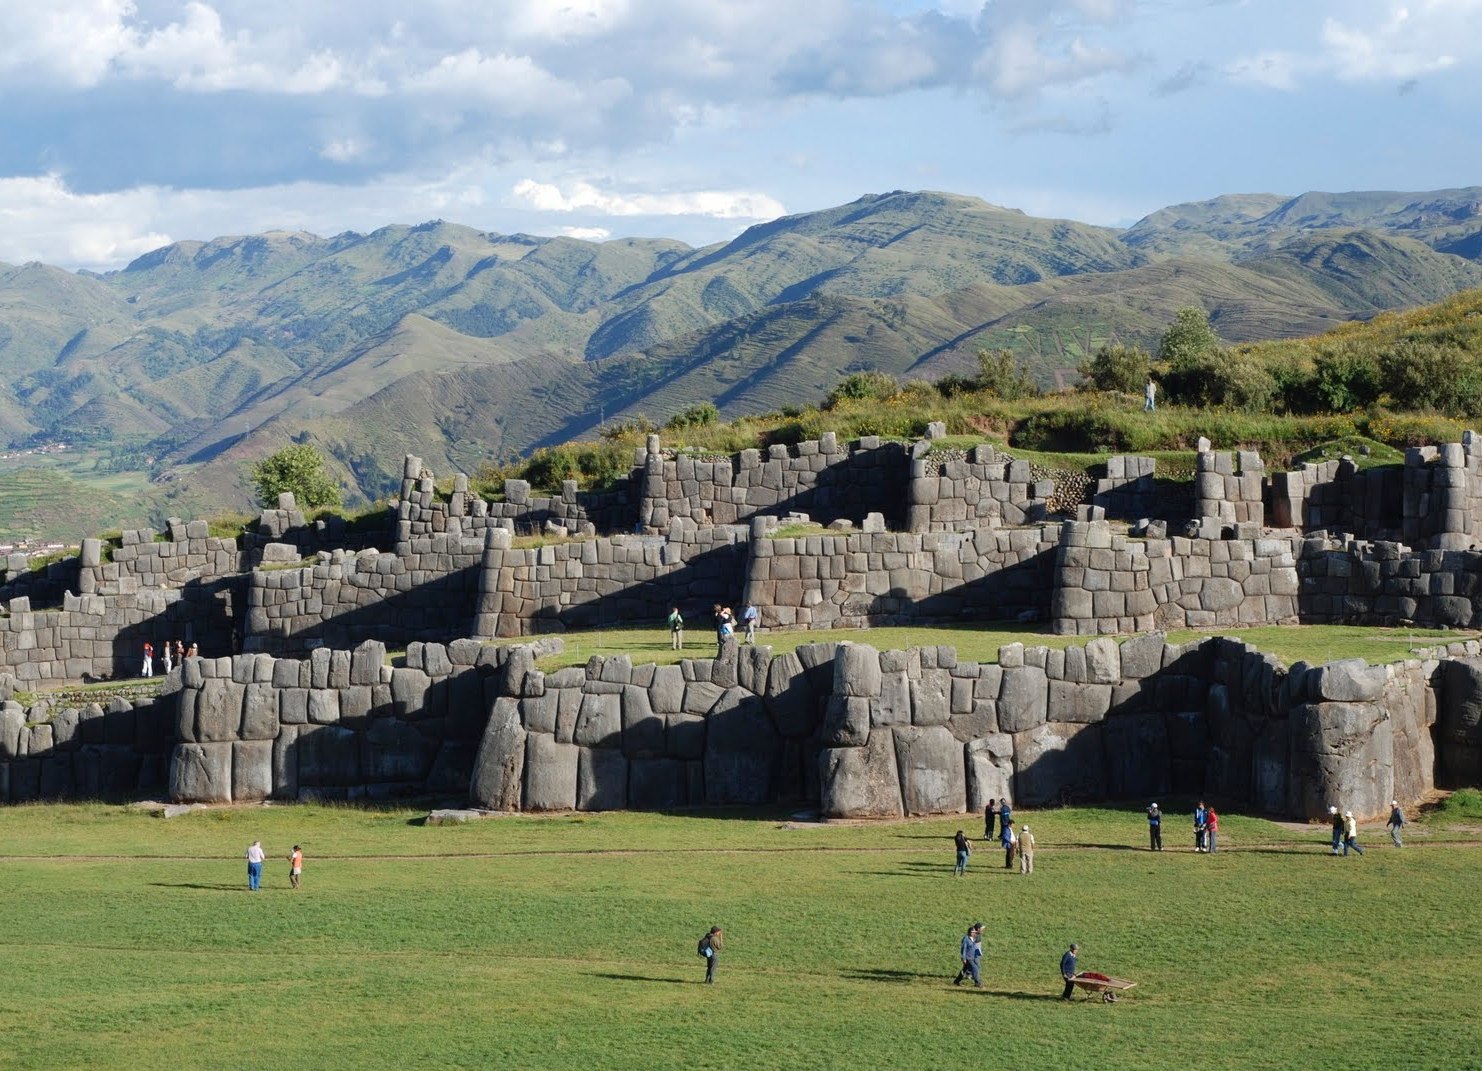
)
(219, 710)
(1351, 681)
(666, 693)
(931, 703)
(328, 757)
(1023, 699)
(657, 784)
(1459, 722)
(857, 670)
(601, 780)
(846, 721)
(201, 773)
(931, 770)
(1059, 761)
(394, 752)
(550, 773)
(790, 696)
(252, 770)
(741, 750)
(1137, 758)
(643, 730)
(1342, 754)
(498, 771)
(860, 782)
(599, 723)
(990, 770)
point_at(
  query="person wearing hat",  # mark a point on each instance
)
(1350, 833)
(1155, 828)
(1337, 820)
(1067, 970)
(710, 948)
(972, 956)
(1026, 850)
(1396, 821)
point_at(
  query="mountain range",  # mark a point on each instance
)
(466, 346)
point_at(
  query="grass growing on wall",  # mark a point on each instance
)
(569, 942)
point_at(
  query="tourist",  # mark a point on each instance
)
(1395, 823)
(1337, 820)
(1004, 813)
(179, 652)
(169, 660)
(972, 956)
(1211, 830)
(255, 857)
(1350, 833)
(1067, 970)
(1200, 814)
(989, 813)
(710, 946)
(1007, 839)
(676, 630)
(726, 635)
(148, 668)
(1155, 828)
(1150, 396)
(964, 849)
(194, 652)
(1026, 850)
(750, 617)
(295, 866)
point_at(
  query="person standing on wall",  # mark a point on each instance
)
(1350, 833)
(255, 858)
(710, 946)
(1337, 821)
(165, 653)
(147, 670)
(676, 630)
(990, 812)
(1155, 828)
(972, 956)
(964, 849)
(1067, 970)
(1396, 823)
(1026, 850)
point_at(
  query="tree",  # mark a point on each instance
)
(300, 469)
(1188, 339)
(1000, 373)
(1117, 368)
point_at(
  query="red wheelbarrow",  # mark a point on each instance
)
(1109, 988)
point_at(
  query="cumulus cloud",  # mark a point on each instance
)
(586, 234)
(584, 196)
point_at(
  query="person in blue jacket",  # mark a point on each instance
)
(1155, 828)
(1200, 817)
(1067, 970)
(972, 956)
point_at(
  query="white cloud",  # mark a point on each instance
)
(343, 150)
(585, 197)
(71, 41)
(587, 234)
(41, 219)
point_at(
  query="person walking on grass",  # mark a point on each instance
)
(750, 617)
(710, 946)
(295, 866)
(1005, 813)
(1150, 396)
(1337, 821)
(1008, 840)
(1067, 970)
(1155, 828)
(1396, 823)
(971, 951)
(676, 630)
(1026, 850)
(990, 812)
(255, 859)
(964, 849)
(1211, 830)
(1350, 833)
(1200, 814)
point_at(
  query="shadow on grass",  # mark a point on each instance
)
(642, 978)
(880, 974)
(233, 885)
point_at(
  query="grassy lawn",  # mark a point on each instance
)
(569, 941)
(1314, 644)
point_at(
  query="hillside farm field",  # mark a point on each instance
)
(569, 941)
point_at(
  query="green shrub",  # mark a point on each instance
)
(1115, 367)
(1001, 374)
(1347, 380)
(862, 386)
(701, 415)
(1428, 375)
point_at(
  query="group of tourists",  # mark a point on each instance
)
(256, 857)
(1345, 829)
(725, 626)
(1017, 846)
(172, 654)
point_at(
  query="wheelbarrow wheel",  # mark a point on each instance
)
(1109, 997)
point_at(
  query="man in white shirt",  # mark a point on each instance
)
(255, 859)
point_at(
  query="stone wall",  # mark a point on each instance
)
(609, 581)
(190, 554)
(52, 751)
(1229, 487)
(823, 478)
(1129, 489)
(956, 490)
(854, 579)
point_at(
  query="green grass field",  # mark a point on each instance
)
(979, 642)
(568, 941)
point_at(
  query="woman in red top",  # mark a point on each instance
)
(1211, 829)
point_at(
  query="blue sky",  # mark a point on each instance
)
(126, 124)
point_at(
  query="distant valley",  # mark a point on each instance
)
(463, 346)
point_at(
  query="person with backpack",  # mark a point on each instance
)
(1350, 834)
(709, 949)
(964, 849)
(1155, 828)
(676, 630)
